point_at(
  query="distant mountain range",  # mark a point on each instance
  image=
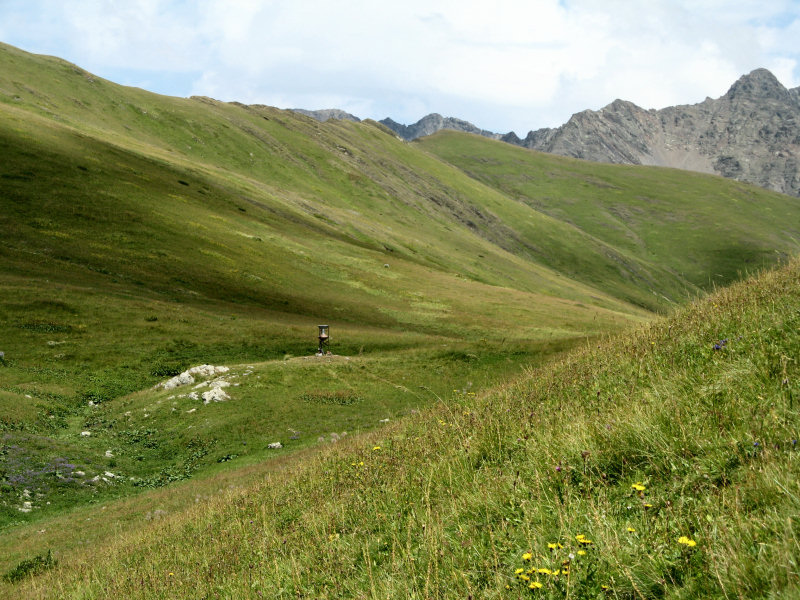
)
(751, 134)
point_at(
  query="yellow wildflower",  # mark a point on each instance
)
(535, 585)
(581, 552)
(376, 448)
(527, 556)
(638, 486)
(631, 530)
(518, 571)
(545, 571)
(686, 541)
(524, 578)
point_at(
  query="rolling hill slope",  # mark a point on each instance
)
(660, 464)
(700, 228)
(141, 235)
(127, 257)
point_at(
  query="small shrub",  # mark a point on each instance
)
(45, 327)
(165, 370)
(337, 397)
(30, 567)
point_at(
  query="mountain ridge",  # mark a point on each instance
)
(750, 134)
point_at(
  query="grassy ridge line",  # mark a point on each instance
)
(120, 265)
(664, 462)
(288, 156)
(291, 223)
(212, 223)
(349, 179)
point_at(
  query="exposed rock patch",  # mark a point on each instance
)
(751, 134)
(328, 113)
(188, 376)
(432, 123)
(216, 394)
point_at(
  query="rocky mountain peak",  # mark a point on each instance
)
(751, 134)
(328, 113)
(620, 105)
(430, 124)
(759, 84)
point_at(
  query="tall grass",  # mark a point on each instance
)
(661, 463)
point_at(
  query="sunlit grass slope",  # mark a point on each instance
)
(350, 181)
(119, 271)
(662, 463)
(701, 228)
(273, 215)
(127, 256)
(141, 235)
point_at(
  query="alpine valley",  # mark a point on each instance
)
(545, 375)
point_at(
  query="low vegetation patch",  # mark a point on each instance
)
(30, 567)
(338, 397)
(659, 464)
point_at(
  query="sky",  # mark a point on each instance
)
(503, 65)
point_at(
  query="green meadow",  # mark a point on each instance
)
(517, 339)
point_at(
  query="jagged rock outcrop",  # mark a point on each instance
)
(432, 123)
(751, 134)
(328, 113)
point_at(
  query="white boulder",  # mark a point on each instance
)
(183, 379)
(188, 376)
(215, 395)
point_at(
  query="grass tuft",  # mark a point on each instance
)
(31, 567)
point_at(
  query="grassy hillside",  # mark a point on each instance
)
(127, 257)
(359, 185)
(142, 235)
(697, 227)
(662, 463)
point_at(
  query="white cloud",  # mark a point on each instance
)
(510, 64)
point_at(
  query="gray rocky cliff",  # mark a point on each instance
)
(751, 134)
